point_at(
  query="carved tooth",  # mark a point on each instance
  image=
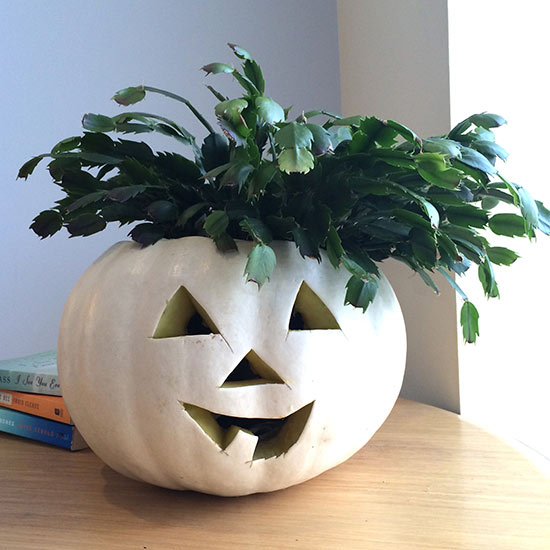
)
(240, 443)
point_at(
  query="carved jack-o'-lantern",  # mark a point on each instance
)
(181, 374)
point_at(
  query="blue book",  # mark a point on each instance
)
(32, 374)
(41, 429)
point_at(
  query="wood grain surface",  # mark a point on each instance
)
(426, 480)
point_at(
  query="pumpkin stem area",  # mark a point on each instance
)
(274, 436)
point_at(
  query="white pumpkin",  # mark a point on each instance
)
(161, 404)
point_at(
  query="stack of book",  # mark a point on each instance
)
(31, 404)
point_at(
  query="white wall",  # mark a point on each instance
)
(394, 64)
(499, 52)
(61, 59)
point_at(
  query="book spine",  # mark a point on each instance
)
(40, 429)
(46, 384)
(31, 374)
(45, 406)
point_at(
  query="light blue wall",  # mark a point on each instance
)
(61, 59)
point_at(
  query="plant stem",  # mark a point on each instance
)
(203, 121)
(217, 94)
(272, 146)
(310, 114)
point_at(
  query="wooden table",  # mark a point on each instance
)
(426, 480)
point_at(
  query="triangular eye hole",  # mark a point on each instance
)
(184, 316)
(251, 370)
(310, 313)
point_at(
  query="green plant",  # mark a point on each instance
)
(361, 188)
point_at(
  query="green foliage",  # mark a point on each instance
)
(469, 317)
(260, 265)
(358, 189)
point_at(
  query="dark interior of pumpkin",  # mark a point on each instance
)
(243, 371)
(275, 435)
(264, 428)
(197, 325)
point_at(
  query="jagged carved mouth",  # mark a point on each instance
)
(260, 437)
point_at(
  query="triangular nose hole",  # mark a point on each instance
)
(310, 313)
(252, 370)
(184, 316)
